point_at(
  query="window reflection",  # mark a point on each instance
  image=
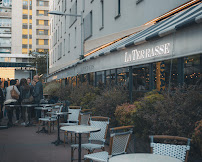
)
(141, 78)
(123, 77)
(192, 69)
(165, 76)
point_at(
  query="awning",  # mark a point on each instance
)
(192, 15)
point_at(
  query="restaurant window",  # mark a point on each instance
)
(91, 78)
(100, 78)
(113, 77)
(165, 74)
(123, 77)
(141, 78)
(108, 77)
(192, 69)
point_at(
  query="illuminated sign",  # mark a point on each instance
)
(156, 51)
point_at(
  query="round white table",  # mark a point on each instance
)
(143, 157)
(80, 129)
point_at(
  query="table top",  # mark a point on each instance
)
(80, 129)
(42, 108)
(29, 105)
(143, 157)
(58, 113)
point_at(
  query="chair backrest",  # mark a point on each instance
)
(102, 123)
(84, 118)
(177, 151)
(119, 139)
(74, 116)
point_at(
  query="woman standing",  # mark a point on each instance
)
(1, 102)
(25, 94)
(10, 101)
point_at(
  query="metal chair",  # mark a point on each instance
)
(177, 151)
(73, 119)
(84, 117)
(50, 118)
(96, 140)
(119, 139)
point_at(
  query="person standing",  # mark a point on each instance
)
(25, 94)
(10, 101)
(29, 81)
(1, 102)
(37, 93)
(17, 108)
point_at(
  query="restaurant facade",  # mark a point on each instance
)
(160, 57)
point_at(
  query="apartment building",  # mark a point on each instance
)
(26, 28)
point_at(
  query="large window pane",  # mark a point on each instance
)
(165, 74)
(192, 69)
(141, 78)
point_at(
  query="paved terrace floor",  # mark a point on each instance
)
(23, 144)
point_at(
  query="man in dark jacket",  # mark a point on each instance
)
(38, 93)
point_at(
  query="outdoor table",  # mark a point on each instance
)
(58, 141)
(143, 157)
(28, 106)
(80, 129)
(43, 130)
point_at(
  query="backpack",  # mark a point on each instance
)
(14, 94)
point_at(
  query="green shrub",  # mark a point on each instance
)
(84, 95)
(197, 137)
(174, 114)
(124, 114)
(52, 88)
(105, 104)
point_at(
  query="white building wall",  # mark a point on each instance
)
(131, 15)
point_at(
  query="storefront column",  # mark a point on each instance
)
(116, 76)
(180, 70)
(131, 84)
(151, 77)
(95, 81)
(105, 80)
(88, 78)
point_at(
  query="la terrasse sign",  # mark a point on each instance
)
(156, 51)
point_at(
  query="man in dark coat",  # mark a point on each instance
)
(38, 93)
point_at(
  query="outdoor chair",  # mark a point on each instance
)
(73, 119)
(84, 117)
(97, 139)
(177, 151)
(119, 140)
(51, 118)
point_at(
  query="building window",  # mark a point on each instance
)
(65, 23)
(61, 31)
(88, 25)
(64, 48)
(73, 10)
(69, 43)
(117, 8)
(45, 41)
(102, 14)
(75, 36)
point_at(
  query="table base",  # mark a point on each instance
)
(43, 130)
(57, 142)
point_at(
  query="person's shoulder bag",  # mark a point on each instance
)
(14, 94)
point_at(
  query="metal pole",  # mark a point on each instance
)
(47, 64)
(82, 33)
(36, 67)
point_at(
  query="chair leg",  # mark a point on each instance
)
(75, 138)
(49, 127)
(71, 137)
(64, 138)
(72, 154)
